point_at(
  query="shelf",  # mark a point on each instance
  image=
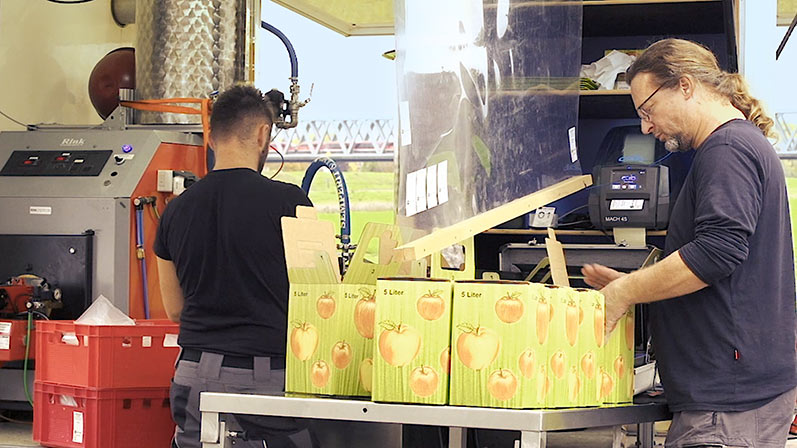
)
(604, 92)
(613, 18)
(606, 104)
(562, 232)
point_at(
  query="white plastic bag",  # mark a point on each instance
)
(102, 312)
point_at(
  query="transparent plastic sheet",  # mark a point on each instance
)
(488, 91)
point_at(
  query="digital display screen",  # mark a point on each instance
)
(626, 204)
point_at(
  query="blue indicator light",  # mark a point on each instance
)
(127, 148)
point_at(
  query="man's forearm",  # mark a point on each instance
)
(669, 278)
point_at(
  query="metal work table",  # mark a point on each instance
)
(533, 424)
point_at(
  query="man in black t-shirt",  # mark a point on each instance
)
(222, 272)
(723, 300)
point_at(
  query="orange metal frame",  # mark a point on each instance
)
(168, 156)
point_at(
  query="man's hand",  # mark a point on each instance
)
(603, 278)
(598, 276)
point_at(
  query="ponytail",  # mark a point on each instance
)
(670, 59)
(735, 88)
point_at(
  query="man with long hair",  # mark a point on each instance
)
(722, 301)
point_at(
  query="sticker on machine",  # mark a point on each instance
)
(77, 427)
(5, 335)
(40, 210)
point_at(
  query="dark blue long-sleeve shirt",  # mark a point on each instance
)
(730, 346)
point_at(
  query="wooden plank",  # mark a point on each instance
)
(442, 238)
(556, 257)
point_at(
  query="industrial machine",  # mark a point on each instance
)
(79, 208)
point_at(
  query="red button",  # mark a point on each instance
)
(60, 158)
(28, 162)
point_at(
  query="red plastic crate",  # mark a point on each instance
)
(106, 356)
(80, 417)
(12, 340)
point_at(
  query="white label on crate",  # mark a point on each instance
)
(77, 427)
(170, 340)
(40, 210)
(431, 186)
(410, 205)
(5, 327)
(146, 341)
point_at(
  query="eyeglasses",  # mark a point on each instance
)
(644, 114)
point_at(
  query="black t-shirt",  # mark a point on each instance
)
(730, 346)
(225, 239)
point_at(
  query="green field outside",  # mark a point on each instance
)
(370, 197)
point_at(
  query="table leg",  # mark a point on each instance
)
(213, 433)
(533, 439)
(457, 437)
(645, 435)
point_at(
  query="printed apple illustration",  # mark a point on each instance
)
(599, 323)
(502, 384)
(431, 306)
(544, 317)
(319, 374)
(607, 384)
(629, 331)
(526, 363)
(365, 313)
(445, 360)
(580, 315)
(477, 347)
(304, 340)
(399, 344)
(571, 322)
(366, 373)
(573, 384)
(509, 308)
(423, 381)
(588, 365)
(558, 364)
(543, 384)
(325, 305)
(619, 366)
(341, 354)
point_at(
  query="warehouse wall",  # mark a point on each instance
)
(48, 51)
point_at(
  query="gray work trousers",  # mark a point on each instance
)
(764, 427)
(208, 375)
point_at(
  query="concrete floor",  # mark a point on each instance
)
(16, 435)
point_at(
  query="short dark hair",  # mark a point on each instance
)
(235, 107)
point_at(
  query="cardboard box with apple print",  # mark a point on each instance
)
(590, 346)
(498, 339)
(563, 346)
(412, 354)
(617, 368)
(331, 329)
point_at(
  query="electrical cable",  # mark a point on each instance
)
(15, 121)
(25, 363)
(11, 420)
(282, 163)
(142, 258)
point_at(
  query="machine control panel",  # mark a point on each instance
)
(630, 196)
(55, 163)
